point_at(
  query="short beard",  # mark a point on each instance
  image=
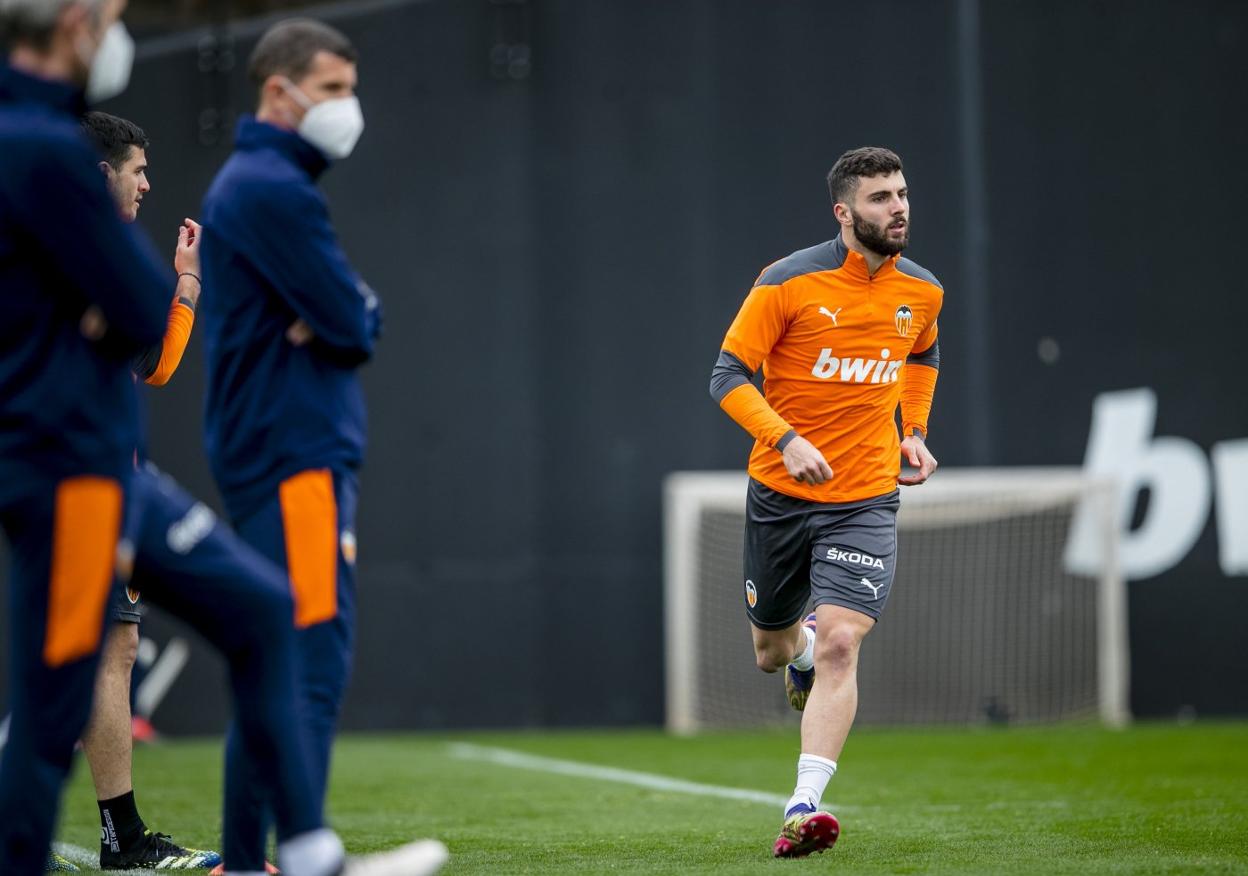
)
(876, 239)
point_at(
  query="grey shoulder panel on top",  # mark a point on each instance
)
(826, 256)
(729, 373)
(929, 357)
(912, 268)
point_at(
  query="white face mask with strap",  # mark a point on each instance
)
(109, 72)
(334, 126)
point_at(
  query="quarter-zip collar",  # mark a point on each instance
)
(854, 264)
(252, 134)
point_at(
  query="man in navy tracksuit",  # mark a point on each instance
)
(80, 295)
(285, 324)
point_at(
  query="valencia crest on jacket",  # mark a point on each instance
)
(903, 319)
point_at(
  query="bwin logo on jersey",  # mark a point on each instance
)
(882, 370)
(837, 555)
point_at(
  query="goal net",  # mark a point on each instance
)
(985, 624)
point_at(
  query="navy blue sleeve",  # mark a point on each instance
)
(70, 216)
(289, 236)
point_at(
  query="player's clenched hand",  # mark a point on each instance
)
(186, 261)
(186, 256)
(915, 450)
(805, 463)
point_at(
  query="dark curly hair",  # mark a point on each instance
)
(856, 163)
(113, 136)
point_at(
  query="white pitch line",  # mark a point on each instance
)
(87, 859)
(520, 760)
(78, 855)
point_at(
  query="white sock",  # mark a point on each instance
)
(315, 853)
(813, 774)
(805, 661)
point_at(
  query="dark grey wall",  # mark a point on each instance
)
(1117, 178)
(560, 255)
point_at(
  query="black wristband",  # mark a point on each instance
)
(195, 277)
(785, 439)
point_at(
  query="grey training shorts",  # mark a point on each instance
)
(842, 554)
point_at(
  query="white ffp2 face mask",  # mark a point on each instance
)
(334, 126)
(109, 73)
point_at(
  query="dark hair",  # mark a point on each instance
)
(289, 46)
(112, 137)
(863, 161)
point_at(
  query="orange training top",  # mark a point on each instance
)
(833, 342)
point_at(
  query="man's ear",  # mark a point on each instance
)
(106, 169)
(71, 16)
(273, 89)
(269, 99)
(72, 23)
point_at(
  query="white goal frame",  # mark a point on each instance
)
(687, 494)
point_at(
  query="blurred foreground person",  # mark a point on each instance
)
(81, 294)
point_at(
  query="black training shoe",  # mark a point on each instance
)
(157, 852)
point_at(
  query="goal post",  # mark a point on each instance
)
(987, 622)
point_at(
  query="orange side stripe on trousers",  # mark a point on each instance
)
(310, 525)
(85, 530)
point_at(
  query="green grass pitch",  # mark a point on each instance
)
(1066, 799)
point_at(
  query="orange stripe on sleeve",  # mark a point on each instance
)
(85, 531)
(310, 524)
(177, 335)
(918, 386)
(746, 405)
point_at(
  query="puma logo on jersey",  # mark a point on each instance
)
(874, 588)
(830, 315)
(882, 370)
(837, 555)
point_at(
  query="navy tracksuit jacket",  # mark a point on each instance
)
(75, 510)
